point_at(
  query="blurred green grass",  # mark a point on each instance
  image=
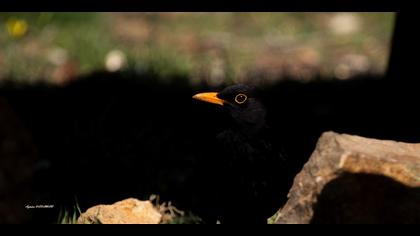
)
(211, 47)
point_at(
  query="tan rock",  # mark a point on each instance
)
(351, 179)
(129, 211)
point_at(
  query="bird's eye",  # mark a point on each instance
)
(240, 98)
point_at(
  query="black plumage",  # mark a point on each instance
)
(252, 178)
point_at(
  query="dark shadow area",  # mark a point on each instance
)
(113, 136)
(110, 136)
(367, 199)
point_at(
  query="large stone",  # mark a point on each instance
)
(351, 179)
(129, 211)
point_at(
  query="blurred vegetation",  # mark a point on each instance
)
(69, 216)
(210, 47)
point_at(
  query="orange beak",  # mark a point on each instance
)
(209, 97)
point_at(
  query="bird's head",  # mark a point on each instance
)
(241, 102)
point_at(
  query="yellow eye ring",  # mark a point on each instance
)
(240, 98)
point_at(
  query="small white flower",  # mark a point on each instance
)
(115, 60)
(344, 23)
(57, 56)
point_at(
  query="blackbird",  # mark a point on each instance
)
(250, 176)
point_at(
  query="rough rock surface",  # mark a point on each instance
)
(351, 179)
(129, 211)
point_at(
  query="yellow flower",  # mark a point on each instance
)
(16, 28)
